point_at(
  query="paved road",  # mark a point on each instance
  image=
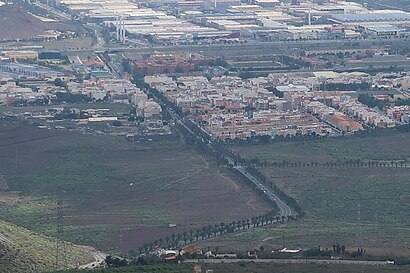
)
(99, 259)
(285, 210)
(288, 261)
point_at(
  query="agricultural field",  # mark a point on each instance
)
(354, 206)
(114, 195)
(22, 250)
(392, 147)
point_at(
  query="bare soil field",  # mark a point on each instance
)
(353, 206)
(110, 187)
(16, 23)
(392, 147)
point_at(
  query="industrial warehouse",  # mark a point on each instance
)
(227, 19)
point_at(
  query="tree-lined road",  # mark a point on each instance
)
(284, 209)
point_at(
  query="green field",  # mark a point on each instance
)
(110, 187)
(353, 206)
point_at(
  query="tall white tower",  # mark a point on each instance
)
(117, 28)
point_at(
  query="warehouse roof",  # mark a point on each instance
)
(371, 17)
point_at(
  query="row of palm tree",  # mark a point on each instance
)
(210, 231)
(358, 163)
(203, 142)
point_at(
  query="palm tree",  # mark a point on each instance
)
(233, 225)
(185, 235)
(179, 238)
(204, 231)
(252, 221)
(197, 234)
(215, 229)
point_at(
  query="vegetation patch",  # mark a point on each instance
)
(24, 251)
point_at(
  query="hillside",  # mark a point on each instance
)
(24, 251)
(17, 23)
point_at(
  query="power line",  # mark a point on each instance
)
(60, 254)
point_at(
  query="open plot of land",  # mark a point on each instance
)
(16, 23)
(312, 232)
(352, 206)
(67, 44)
(110, 187)
(376, 200)
(392, 147)
(381, 194)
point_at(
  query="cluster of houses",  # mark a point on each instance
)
(229, 107)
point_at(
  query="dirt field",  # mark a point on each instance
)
(16, 23)
(393, 147)
(171, 184)
(353, 206)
